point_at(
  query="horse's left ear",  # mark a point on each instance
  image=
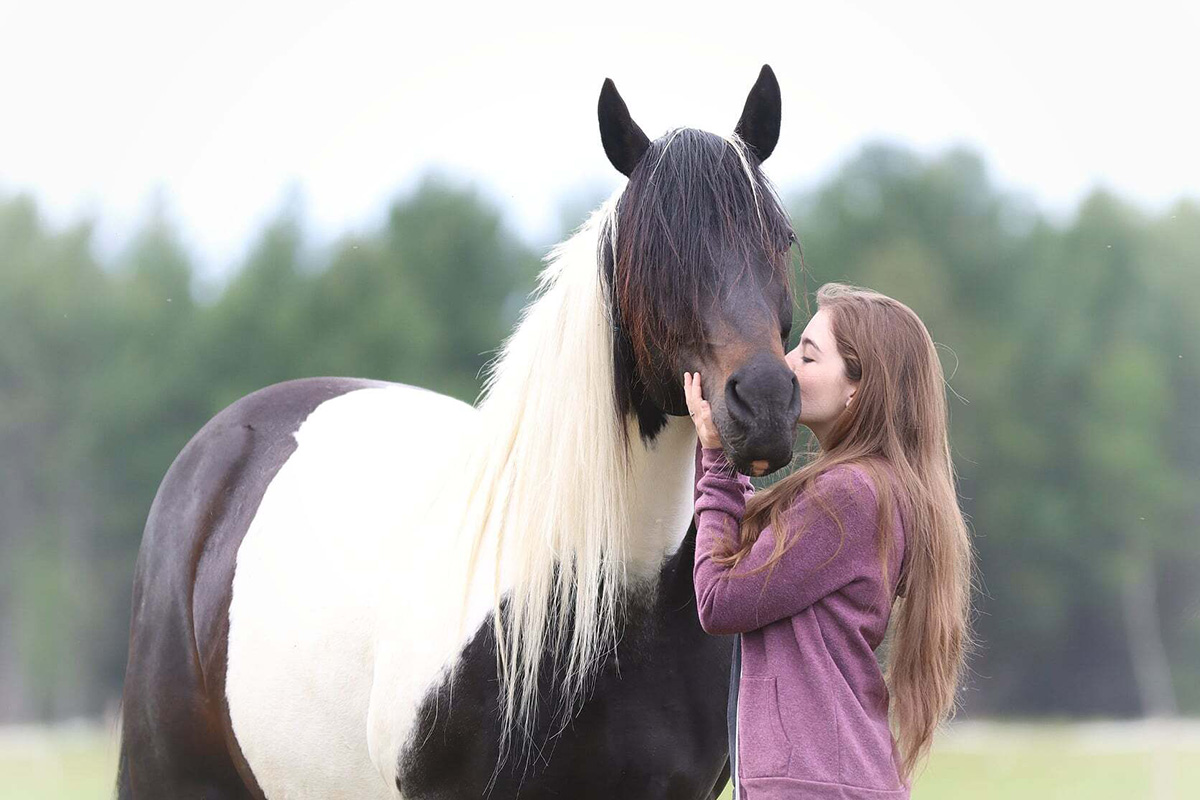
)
(759, 125)
(624, 142)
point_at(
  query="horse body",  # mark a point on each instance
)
(350, 588)
(308, 635)
(336, 676)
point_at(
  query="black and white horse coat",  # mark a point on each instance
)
(310, 620)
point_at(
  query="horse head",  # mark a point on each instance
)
(696, 259)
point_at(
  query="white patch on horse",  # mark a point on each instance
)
(329, 537)
(351, 598)
(662, 500)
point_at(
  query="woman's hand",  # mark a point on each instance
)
(700, 410)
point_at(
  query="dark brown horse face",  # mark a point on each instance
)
(698, 268)
(753, 393)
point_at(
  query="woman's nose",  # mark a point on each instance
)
(793, 361)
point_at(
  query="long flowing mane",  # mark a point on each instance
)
(549, 487)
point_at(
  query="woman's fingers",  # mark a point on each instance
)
(700, 410)
(695, 400)
(693, 391)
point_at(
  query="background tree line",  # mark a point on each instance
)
(1073, 351)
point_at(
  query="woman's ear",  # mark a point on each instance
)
(850, 397)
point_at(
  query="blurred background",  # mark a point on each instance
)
(198, 202)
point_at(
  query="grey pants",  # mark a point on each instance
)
(734, 680)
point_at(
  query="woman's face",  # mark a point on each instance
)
(825, 391)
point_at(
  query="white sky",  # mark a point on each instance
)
(227, 106)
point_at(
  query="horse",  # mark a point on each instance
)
(361, 589)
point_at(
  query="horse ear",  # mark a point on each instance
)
(624, 142)
(759, 125)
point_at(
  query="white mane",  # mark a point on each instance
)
(549, 488)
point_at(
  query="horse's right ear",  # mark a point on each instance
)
(759, 125)
(624, 142)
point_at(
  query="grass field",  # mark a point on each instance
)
(977, 760)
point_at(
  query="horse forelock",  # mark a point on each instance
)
(696, 215)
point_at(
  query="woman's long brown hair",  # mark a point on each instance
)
(897, 430)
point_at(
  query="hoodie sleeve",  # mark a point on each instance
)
(823, 560)
(716, 457)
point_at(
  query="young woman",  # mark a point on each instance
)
(808, 571)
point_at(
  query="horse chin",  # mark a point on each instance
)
(757, 460)
(758, 467)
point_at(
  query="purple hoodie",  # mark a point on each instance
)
(812, 706)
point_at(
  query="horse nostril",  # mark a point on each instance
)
(734, 400)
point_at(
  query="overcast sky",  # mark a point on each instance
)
(227, 107)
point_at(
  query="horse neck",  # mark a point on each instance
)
(661, 495)
(562, 506)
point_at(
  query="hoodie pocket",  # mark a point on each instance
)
(763, 747)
